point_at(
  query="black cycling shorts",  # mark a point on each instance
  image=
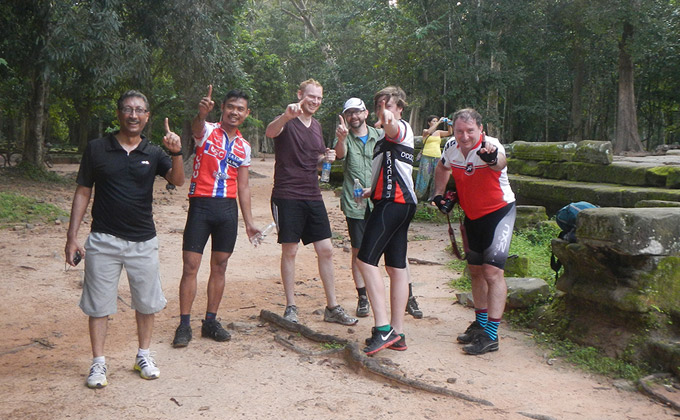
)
(300, 219)
(208, 216)
(387, 233)
(489, 237)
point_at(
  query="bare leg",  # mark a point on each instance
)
(497, 290)
(356, 273)
(376, 292)
(98, 327)
(324, 254)
(187, 285)
(218, 269)
(399, 280)
(480, 289)
(144, 329)
(288, 253)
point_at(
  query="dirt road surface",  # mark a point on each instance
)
(45, 350)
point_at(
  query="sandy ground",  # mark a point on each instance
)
(45, 351)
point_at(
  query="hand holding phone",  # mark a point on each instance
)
(77, 258)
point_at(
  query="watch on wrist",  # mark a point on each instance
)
(176, 153)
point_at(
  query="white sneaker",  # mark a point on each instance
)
(97, 376)
(146, 366)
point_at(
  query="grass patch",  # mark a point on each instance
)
(416, 238)
(31, 172)
(533, 244)
(591, 359)
(332, 346)
(16, 208)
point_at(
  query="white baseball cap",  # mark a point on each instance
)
(354, 103)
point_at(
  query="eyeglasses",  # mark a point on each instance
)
(351, 113)
(129, 110)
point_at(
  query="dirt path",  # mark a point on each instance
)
(45, 353)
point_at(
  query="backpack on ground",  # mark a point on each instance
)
(566, 220)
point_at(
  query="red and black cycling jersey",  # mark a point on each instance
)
(392, 167)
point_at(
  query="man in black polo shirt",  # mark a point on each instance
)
(123, 166)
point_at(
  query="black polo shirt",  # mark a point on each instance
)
(123, 186)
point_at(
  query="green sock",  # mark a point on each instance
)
(384, 328)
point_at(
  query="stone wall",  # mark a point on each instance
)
(621, 284)
(553, 174)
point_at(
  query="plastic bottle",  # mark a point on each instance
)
(326, 171)
(257, 239)
(359, 194)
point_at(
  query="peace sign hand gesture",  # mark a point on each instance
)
(341, 131)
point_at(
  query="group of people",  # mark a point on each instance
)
(122, 166)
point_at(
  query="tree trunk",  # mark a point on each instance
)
(627, 135)
(492, 116)
(84, 116)
(34, 145)
(576, 120)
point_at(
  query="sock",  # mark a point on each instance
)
(99, 359)
(410, 290)
(481, 316)
(491, 328)
(210, 316)
(361, 291)
(384, 328)
(185, 319)
(143, 352)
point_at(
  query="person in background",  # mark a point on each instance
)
(432, 139)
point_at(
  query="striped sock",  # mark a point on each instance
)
(481, 316)
(491, 328)
(210, 316)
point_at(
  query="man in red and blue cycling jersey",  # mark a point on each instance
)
(220, 173)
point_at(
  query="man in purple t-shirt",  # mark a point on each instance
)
(297, 205)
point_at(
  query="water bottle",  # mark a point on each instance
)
(326, 171)
(257, 239)
(359, 194)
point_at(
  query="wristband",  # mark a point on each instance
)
(176, 153)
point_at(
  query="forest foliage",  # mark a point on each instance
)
(538, 70)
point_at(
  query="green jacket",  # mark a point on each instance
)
(356, 164)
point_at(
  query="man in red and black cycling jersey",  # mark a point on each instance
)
(478, 165)
(387, 227)
(220, 173)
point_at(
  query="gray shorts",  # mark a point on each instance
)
(105, 257)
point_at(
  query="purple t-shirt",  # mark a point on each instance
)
(297, 150)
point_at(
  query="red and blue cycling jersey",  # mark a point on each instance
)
(217, 161)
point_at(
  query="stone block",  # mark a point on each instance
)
(525, 292)
(637, 231)
(529, 216)
(517, 266)
(656, 203)
(673, 178)
(593, 151)
(551, 151)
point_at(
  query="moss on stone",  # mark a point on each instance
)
(517, 266)
(663, 285)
